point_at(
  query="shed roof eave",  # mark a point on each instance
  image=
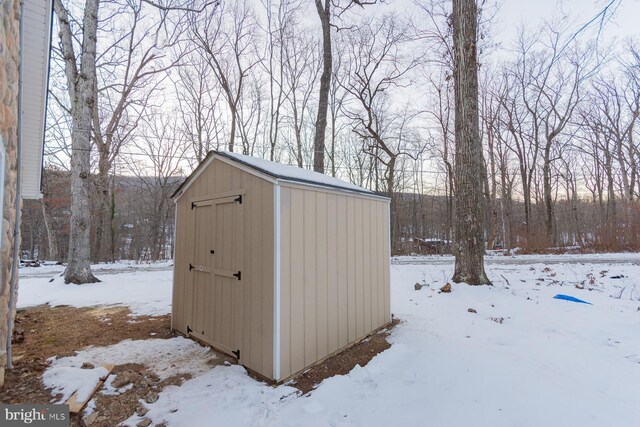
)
(211, 156)
(268, 176)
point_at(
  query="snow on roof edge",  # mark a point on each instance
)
(280, 172)
(295, 174)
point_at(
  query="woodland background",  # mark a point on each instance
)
(559, 107)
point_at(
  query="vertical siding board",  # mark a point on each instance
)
(266, 277)
(332, 273)
(237, 288)
(322, 309)
(351, 268)
(227, 284)
(212, 304)
(285, 282)
(297, 281)
(199, 297)
(386, 248)
(374, 262)
(189, 281)
(359, 261)
(310, 264)
(256, 282)
(247, 288)
(220, 184)
(342, 282)
(367, 266)
(381, 260)
(177, 294)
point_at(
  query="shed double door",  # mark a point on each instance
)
(216, 272)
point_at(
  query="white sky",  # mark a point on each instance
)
(515, 13)
(512, 14)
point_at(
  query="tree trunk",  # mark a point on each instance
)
(548, 196)
(51, 236)
(82, 94)
(392, 204)
(324, 13)
(469, 243)
(112, 220)
(102, 186)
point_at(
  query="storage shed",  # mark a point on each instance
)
(277, 265)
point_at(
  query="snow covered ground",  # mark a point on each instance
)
(144, 288)
(524, 359)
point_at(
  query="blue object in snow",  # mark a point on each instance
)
(570, 298)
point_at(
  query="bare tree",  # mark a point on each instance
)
(376, 66)
(159, 175)
(301, 60)
(469, 238)
(125, 84)
(227, 38)
(326, 10)
(200, 121)
(81, 85)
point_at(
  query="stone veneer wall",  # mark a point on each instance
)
(9, 78)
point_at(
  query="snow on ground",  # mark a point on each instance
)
(524, 359)
(144, 288)
(168, 357)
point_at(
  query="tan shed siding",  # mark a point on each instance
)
(178, 301)
(295, 326)
(256, 293)
(310, 262)
(334, 281)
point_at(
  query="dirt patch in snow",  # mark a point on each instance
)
(43, 332)
(342, 363)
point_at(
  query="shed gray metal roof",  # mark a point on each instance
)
(280, 172)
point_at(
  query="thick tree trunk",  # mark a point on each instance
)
(112, 221)
(469, 242)
(324, 13)
(82, 94)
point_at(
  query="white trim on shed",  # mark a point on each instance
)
(35, 79)
(305, 260)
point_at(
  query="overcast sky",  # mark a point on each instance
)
(514, 13)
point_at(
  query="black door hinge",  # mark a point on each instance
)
(189, 330)
(238, 199)
(212, 251)
(191, 267)
(238, 275)
(237, 353)
(193, 205)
